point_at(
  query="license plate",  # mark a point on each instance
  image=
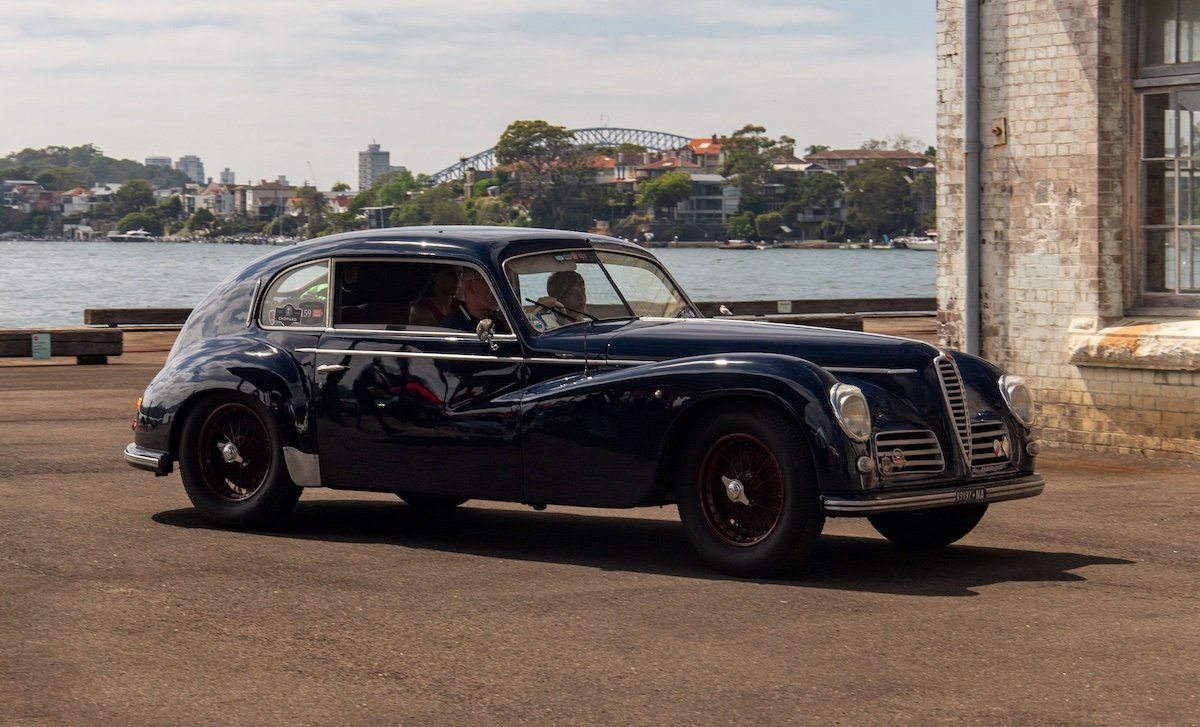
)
(975, 494)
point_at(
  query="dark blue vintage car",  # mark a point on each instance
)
(550, 367)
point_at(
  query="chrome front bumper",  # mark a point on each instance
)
(151, 460)
(872, 503)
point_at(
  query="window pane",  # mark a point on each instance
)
(1189, 258)
(1160, 263)
(1158, 190)
(1189, 31)
(1189, 123)
(1157, 119)
(1159, 28)
(297, 298)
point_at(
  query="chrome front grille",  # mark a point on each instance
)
(986, 444)
(956, 399)
(991, 447)
(908, 452)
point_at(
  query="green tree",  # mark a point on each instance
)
(748, 154)
(924, 199)
(202, 219)
(340, 187)
(768, 225)
(815, 149)
(491, 211)
(820, 191)
(170, 208)
(133, 196)
(551, 170)
(741, 226)
(665, 191)
(312, 207)
(878, 198)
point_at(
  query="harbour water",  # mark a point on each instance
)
(49, 283)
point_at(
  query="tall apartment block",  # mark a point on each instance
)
(158, 162)
(227, 177)
(372, 164)
(192, 167)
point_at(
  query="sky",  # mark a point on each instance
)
(299, 87)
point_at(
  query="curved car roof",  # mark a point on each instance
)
(481, 244)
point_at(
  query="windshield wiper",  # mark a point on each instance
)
(553, 309)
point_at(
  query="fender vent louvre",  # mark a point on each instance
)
(908, 452)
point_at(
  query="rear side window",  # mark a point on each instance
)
(298, 298)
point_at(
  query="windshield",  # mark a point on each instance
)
(573, 286)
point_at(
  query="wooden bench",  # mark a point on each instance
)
(87, 345)
(135, 316)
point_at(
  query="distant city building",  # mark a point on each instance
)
(227, 177)
(158, 162)
(192, 167)
(373, 164)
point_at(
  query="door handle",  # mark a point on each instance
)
(330, 368)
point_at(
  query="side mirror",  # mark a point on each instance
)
(483, 329)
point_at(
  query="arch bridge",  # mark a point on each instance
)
(599, 136)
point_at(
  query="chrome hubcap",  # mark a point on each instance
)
(229, 452)
(735, 490)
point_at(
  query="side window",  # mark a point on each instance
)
(397, 295)
(298, 298)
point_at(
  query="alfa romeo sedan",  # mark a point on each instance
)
(558, 368)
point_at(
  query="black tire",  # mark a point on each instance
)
(929, 528)
(430, 502)
(248, 486)
(764, 453)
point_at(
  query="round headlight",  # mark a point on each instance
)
(850, 407)
(1019, 398)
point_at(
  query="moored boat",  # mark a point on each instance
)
(138, 235)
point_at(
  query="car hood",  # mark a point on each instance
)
(826, 347)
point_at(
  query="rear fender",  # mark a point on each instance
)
(241, 365)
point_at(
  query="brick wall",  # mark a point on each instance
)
(1053, 223)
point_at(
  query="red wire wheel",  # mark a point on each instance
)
(741, 490)
(747, 493)
(235, 452)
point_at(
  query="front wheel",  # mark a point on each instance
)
(747, 495)
(231, 462)
(929, 528)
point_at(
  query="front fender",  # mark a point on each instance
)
(581, 429)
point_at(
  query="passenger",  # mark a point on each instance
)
(439, 299)
(477, 304)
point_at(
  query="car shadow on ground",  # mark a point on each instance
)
(644, 545)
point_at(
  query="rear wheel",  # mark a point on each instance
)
(747, 495)
(430, 502)
(231, 462)
(930, 528)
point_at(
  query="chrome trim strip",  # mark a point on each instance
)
(303, 468)
(473, 357)
(151, 460)
(252, 313)
(866, 370)
(1027, 486)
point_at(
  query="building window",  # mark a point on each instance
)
(1167, 89)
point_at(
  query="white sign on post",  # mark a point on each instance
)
(784, 306)
(41, 345)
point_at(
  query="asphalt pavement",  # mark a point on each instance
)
(119, 605)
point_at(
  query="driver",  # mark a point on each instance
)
(566, 298)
